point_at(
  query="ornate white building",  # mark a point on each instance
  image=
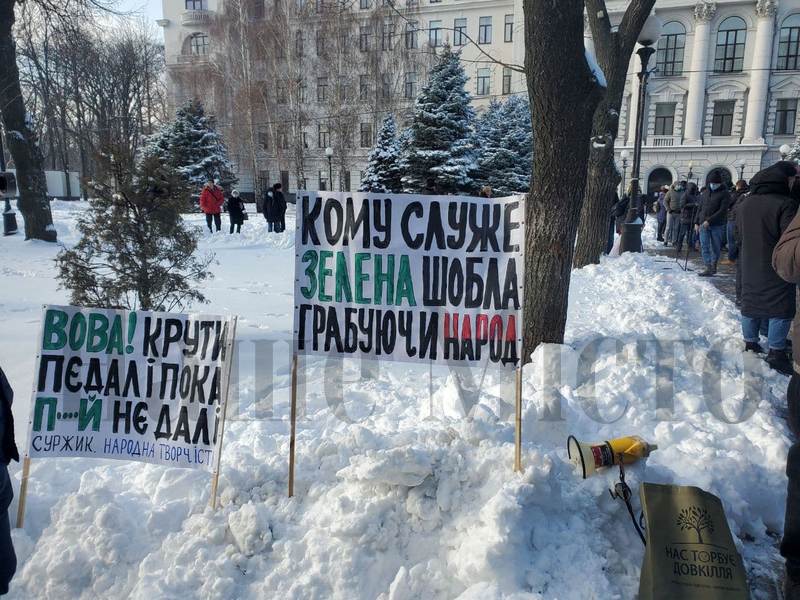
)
(725, 91)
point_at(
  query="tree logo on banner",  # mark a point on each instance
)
(695, 519)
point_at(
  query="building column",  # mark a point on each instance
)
(759, 74)
(703, 13)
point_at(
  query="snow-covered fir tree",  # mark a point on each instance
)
(192, 145)
(504, 140)
(794, 153)
(439, 153)
(383, 169)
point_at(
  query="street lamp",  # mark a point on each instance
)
(329, 154)
(631, 239)
(690, 174)
(742, 165)
(9, 216)
(624, 156)
(785, 150)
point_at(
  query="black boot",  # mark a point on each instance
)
(711, 269)
(753, 347)
(779, 361)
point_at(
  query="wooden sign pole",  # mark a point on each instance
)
(23, 491)
(293, 429)
(226, 382)
(518, 423)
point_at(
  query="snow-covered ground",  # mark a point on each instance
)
(399, 495)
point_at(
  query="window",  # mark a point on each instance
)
(198, 44)
(263, 138)
(263, 180)
(283, 140)
(459, 32)
(484, 82)
(320, 43)
(323, 136)
(729, 56)
(485, 30)
(411, 35)
(363, 4)
(347, 136)
(256, 9)
(386, 86)
(786, 116)
(506, 80)
(671, 44)
(302, 92)
(363, 38)
(665, 119)
(410, 86)
(387, 39)
(281, 92)
(196, 5)
(789, 44)
(322, 89)
(305, 139)
(363, 87)
(722, 123)
(366, 135)
(508, 29)
(298, 43)
(323, 181)
(435, 34)
(346, 181)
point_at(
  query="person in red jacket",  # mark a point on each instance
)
(211, 200)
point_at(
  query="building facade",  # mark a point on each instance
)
(288, 79)
(725, 91)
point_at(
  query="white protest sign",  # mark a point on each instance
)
(131, 385)
(409, 278)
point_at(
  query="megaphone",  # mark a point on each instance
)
(590, 457)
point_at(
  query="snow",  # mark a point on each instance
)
(399, 496)
(597, 72)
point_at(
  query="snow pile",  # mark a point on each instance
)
(399, 496)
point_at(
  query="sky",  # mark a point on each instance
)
(151, 9)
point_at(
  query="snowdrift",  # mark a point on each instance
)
(404, 489)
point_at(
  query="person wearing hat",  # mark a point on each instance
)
(236, 211)
(786, 262)
(712, 221)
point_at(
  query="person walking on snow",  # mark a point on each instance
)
(711, 222)
(279, 206)
(761, 219)
(786, 261)
(8, 452)
(673, 205)
(236, 211)
(211, 200)
(660, 208)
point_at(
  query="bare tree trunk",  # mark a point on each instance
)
(614, 49)
(563, 94)
(33, 202)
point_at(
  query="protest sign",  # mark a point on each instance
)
(409, 278)
(130, 385)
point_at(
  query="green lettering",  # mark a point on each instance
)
(98, 332)
(310, 256)
(361, 277)
(405, 285)
(115, 336)
(324, 273)
(54, 323)
(382, 277)
(343, 290)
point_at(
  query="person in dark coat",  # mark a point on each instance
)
(660, 208)
(786, 262)
(688, 205)
(8, 452)
(673, 205)
(761, 219)
(236, 211)
(268, 209)
(279, 204)
(738, 193)
(620, 211)
(711, 222)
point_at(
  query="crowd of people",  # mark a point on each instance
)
(213, 203)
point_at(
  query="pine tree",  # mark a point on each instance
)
(192, 145)
(440, 149)
(135, 251)
(383, 169)
(794, 153)
(504, 139)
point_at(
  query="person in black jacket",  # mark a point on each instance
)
(711, 222)
(688, 207)
(279, 206)
(8, 452)
(761, 219)
(739, 192)
(236, 211)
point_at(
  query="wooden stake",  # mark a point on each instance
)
(518, 423)
(293, 425)
(226, 384)
(23, 491)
